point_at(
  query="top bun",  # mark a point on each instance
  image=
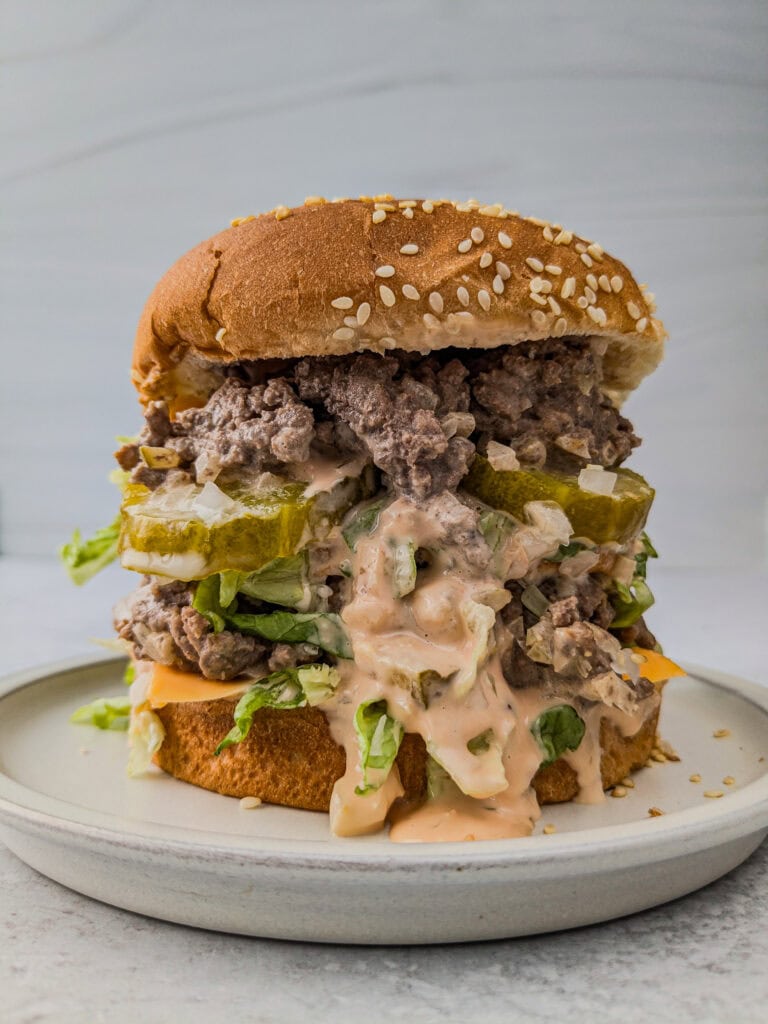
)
(377, 273)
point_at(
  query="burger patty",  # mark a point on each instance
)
(419, 419)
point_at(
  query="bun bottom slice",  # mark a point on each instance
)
(290, 758)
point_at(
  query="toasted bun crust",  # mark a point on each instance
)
(290, 757)
(458, 275)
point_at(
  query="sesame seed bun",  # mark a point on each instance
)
(290, 758)
(366, 275)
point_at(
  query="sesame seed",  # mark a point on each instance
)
(694, 778)
(561, 326)
(249, 803)
(582, 302)
(536, 284)
(655, 812)
(408, 213)
(618, 792)
(344, 334)
(552, 268)
(504, 240)
(641, 324)
(281, 212)
(554, 306)
(463, 207)
(386, 207)
(564, 238)
(220, 333)
(464, 245)
(534, 264)
(315, 201)
(596, 251)
(410, 292)
(713, 794)
(431, 321)
(569, 288)
(629, 783)
(535, 297)
(378, 216)
(462, 295)
(410, 249)
(549, 830)
(604, 283)
(463, 314)
(729, 781)
(383, 198)
(586, 260)
(343, 302)
(503, 270)
(498, 285)
(539, 318)
(484, 299)
(388, 342)
(659, 756)
(591, 296)
(436, 301)
(491, 211)
(538, 222)
(485, 260)
(351, 321)
(592, 282)
(427, 206)
(617, 283)
(580, 247)
(386, 271)
(477, 235)
(633, 310)
(363, 312)
(407, 204)
(387, 295)
(720, 734)
(547, 232)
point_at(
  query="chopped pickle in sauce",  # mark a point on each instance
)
(600, 517)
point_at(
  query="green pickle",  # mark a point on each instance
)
(597, 517)
(247, 535)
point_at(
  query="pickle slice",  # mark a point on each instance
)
(191, 532)
(598, 517)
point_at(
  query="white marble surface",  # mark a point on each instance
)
(66, 960)
(131, 130)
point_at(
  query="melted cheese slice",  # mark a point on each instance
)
(655, 667)
(172, 686)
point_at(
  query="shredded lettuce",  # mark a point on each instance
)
(362, 522)
(567, 551)
(379, 737)
(207, 601)
(146, 736)
(84, 558)
(282, 581)
(286, 688)
(403, 564)
(556, 730)
(323, 629)
(633, 600)
(129, 675)
(479, 620)
(105, 713)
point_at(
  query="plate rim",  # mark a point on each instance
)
(744, 813)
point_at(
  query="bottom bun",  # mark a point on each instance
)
(290, 757)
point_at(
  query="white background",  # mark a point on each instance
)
(131, 130)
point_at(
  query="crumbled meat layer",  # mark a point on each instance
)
(419, 418)
(162, 625)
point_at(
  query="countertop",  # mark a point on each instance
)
(65, 958)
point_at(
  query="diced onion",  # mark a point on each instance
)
(501, 457)
(597, 480)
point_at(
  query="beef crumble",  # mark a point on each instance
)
(419, 418)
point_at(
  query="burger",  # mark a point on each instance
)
(393, 565)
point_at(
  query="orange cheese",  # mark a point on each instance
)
(172, 686)
(655, 667)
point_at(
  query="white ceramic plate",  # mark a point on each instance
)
(166, 849)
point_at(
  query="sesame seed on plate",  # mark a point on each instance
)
(503, 270)
(694, 778)
(539, 318)
(410, 292)
(504, 240)
(617, 283)
(552, 268)
(386, 271)
(720, 734)
(569, 288)
(618, 791)
(363, 312)
(634, 310)
(477, 235)
(250, 803)
(410, 249)
(549, 830)
(378, 216)
(729, 781)
(484, 298)
(641, 324)
(498, 285)
(344, 334)
(343, 302)
(462, 295)
(534, 264)
(586, 259)
(436, 301)
(485, 260)
(713, 794)
(655, 812)
(464, 245)
(629, 783)
(387, 295)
